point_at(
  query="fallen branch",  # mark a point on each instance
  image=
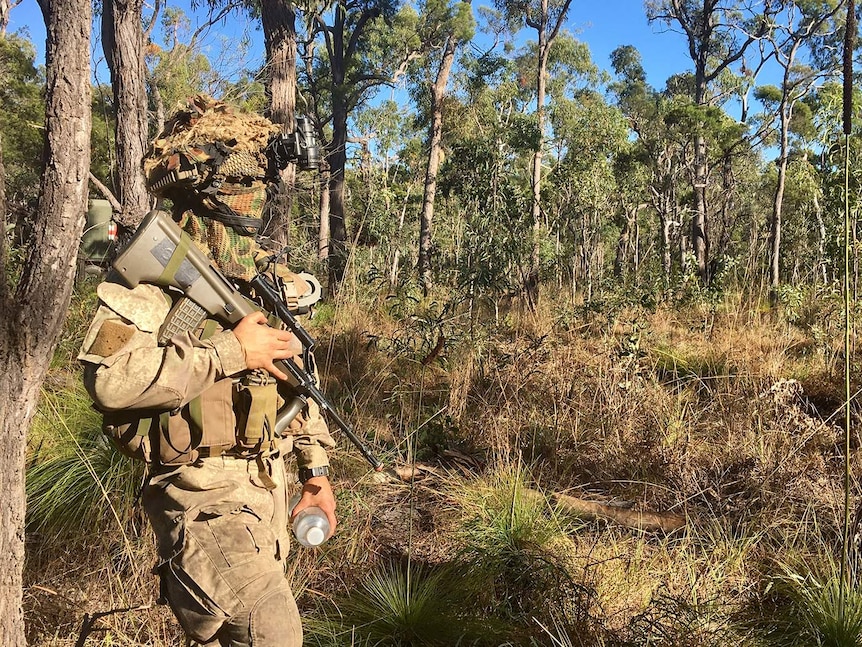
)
(652, 521)
(649, 521)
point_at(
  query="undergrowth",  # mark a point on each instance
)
(724, 413)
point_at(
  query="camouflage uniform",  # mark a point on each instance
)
(219, 511)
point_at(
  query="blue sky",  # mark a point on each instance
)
(603, 25)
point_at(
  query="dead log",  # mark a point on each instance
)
(638, 519)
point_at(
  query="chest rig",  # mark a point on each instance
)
(236, 415)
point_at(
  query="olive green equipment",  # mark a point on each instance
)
(162, 254)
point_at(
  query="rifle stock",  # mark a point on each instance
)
(163, 254)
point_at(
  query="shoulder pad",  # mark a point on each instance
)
(145, 305)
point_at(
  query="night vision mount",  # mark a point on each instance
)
(300, 147)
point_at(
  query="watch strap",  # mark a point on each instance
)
(306, 473)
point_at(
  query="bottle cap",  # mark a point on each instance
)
(315, 536)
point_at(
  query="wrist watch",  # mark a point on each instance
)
(306, 473)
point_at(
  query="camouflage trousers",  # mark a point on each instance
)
(221, 529)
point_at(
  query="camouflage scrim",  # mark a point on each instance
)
(210, 161)
(232, 252)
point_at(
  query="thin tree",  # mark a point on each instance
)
(545, 17)
(456, 29)
(123, 43)
(712, 29)
(805, 23)
(34, 308)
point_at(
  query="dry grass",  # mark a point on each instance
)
(726, 415)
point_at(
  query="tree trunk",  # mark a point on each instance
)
(777, 207)
(438, 89)
(699, 236)
(337, 227)
(34, 313)
(664, 224)
(531, 282)
(323, 237)
(279, 29)
(123, 43)
(2, 197)
(623, 243)
(337, 152)
(5, 8)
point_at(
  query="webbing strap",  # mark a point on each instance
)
(260, 412)
(164, 417)
(263, 473)
(144, 426)
(210, 328)
(174, 262)
(196, 412)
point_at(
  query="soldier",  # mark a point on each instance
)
(200, 406)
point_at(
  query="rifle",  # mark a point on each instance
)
(161, 253)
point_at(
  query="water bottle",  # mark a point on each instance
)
(310, 526)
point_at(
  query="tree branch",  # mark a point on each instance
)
(106, 192)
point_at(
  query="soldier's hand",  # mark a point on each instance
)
(263, 344)
(317, 491)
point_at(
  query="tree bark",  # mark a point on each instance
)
(2, 195)
(637, 519)
(279, 29)
(699, 234)
(438, 90)
(123, 43)
(34, 312)
(337, 158)
(323, 236)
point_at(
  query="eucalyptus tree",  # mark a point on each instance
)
(584, 135)
(718, 33)
(660, 145)
(803, 27)
(445, 27)
(383, 193)
(365, 44)
(582, 184)
(35, 306)
(176, 68)
(483, 176)
(545, 18)
(631, 176)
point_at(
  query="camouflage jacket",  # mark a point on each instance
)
(132, 378)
